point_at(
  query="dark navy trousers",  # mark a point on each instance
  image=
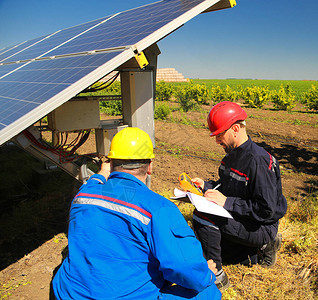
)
(228, 241)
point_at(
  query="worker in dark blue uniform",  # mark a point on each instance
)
(249, 188)
(127, 242)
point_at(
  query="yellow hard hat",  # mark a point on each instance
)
(131, 143)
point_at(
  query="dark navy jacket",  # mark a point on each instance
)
(250, 179)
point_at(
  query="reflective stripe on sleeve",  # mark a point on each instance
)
(237, 175)
(114, 207)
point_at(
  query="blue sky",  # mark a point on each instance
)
(258, 39)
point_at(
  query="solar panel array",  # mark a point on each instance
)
(39, 75)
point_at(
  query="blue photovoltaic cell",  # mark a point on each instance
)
(7, 52)
(38, 81)
(27, 84)
(10, 54)
(47, 43)
(5, 69)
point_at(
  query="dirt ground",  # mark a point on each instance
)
(291, 137)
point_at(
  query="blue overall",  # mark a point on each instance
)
(127, 242)
(250, 179)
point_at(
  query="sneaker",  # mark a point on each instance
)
(222, 281)
(268, 252)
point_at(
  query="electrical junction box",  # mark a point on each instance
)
(75, 115)
(104, 135)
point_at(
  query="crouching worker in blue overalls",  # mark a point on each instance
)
(127, 242)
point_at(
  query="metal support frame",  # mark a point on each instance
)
(71, 168)
(138, 100)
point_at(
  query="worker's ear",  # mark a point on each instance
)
(236, 129)
(149, 169)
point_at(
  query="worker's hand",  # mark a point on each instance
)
(105, 169)
(215, 196)
(199, 182)
(212, 266)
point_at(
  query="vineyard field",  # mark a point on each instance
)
(299, 86)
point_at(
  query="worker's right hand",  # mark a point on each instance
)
(199, 182)
(215, 196)
(105, 169)
(212, 266)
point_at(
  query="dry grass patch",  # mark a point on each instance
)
(295, 275)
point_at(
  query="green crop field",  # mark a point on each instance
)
(297, 85)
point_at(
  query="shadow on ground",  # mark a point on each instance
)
(295, 157)
(34, 203)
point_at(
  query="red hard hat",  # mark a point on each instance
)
(223, 115)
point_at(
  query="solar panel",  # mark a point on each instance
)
(40, 47)
(39, 75)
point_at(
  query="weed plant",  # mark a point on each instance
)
(192, 96)
(255, 96)
(284, 98)
(310, 99)
(162, 111)
(164, 91)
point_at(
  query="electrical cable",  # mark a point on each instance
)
(103, 85)
(63, 150)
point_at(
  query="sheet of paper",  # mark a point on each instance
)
(178, 194)
(202, 204)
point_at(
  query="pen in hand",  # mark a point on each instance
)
(217, 186)
(215, 196)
